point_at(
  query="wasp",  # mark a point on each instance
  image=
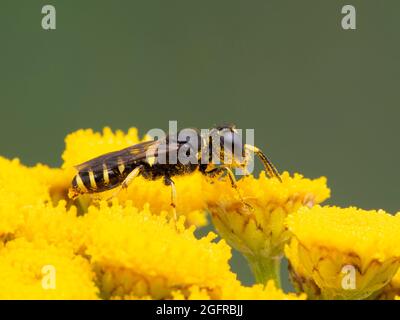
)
(169, 157)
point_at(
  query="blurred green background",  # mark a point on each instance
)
(322, 101)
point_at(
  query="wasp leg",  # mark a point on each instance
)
(168, 182)
(94, 198)
(269, 167)
(219, 170)
(124, 185)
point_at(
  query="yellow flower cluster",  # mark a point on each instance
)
(139, 270)
(54, 248)
(343, 253)
(55, 180)
(259, 232)
(112, 250)
(37, 270)
(234, 290)
(257, 292)
(18, 188)
(141, 254)
(391, 290)
(53, 224)
(83, 145)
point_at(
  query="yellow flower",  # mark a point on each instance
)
(84, 145)
(260, 233)
(26, 209)
(139, 254)
(18, 188)
(233, 290)
(18, 182)
(392, 289)
(52, 224)
(191, 293)
(257, 292)
(55, 180)
(36, 270)
(130, 297)
(52, 247)
(349, 253)
(298, 275)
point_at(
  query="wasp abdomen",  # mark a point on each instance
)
(99, 179)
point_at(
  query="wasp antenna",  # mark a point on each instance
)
(269, 167)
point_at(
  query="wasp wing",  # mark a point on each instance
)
(137, 152)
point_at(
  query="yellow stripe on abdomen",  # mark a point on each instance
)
(80, 183)
(92, 180)
(106, 178)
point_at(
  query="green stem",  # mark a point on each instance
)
(265, 268)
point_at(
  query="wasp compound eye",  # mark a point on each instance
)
(232, 143)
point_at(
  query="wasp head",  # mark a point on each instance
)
(226, 144)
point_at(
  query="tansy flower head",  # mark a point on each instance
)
(298, 275)
(233, 290)
(55, 180)
(30, 206)
(391, 290)
(83, 145)
(348, 253)
(236, 291)
(53, 247)
(140, 254)
(52, 224)
(260, 233)
(19, 188)
(191, 293)
(36, 270)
